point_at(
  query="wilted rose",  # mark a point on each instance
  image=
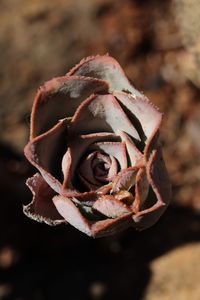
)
(94, 140)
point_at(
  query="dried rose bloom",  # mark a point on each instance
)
(94, 140)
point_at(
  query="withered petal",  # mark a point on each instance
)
(59, 98)
(41, 207)
(106, 68)
(159, 181)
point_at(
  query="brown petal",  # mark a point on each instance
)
(71, 214)
(106, 68)
(102, 113)
(141, 109)
(158, 178)
(111, 207)
(42, 208)
(116, 149)
(46, 150)
(59, 98)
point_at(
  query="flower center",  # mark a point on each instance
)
(96, 169)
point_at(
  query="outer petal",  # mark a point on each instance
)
(59, 98)
(143, 114)
(106, 68)
(46, 150)
(42, 208)
(102, 113)
(71, 214)
(158, 178)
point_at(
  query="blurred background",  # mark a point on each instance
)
(158, 45)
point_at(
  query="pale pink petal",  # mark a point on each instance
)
(159, 181)
(140, 109)
(59, 98)
(68, 210)
(110, 207)
(42, 208)
(106, 68)
(116, 149)
(46, 150)
(102, 113)
(124, 180)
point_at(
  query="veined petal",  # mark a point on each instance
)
(106, 68)
(46, 151)
(41, 207)
(140, 109)
(59, 98)
(102, 113)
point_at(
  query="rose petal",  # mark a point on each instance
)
(111, 172)
(111, 226)
(46, 150)
(42, 208)
(135, 156)
(116, 149)
(102, 113)
(86, 170)
(111, 207)
(158, 178)
(141, 189)
(124, 180)
(71, 214)
(79, 146)
(59, 98)
(141, 109)
(106, 68)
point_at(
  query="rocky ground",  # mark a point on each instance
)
(43, 39)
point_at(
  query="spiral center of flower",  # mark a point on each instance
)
(96, 169)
